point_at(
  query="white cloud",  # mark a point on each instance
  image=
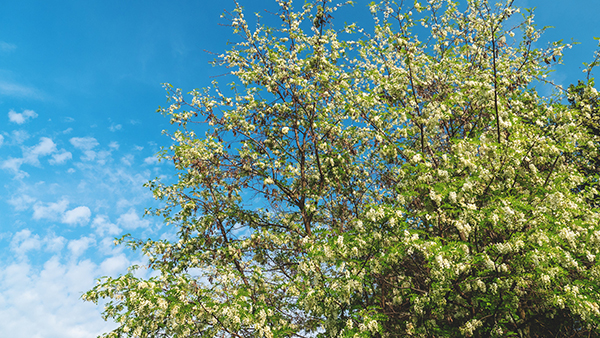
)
(61, 157)
(23, 117)
(54, 243)
(131, 220)
(1, 140)
(151, 160)
(46, 303)
(30, 156)
(114, 145)
(51, 211)
(19, 136)
(17, 90)
(45, 147)
(103, 156)
(22, 202)
(127, 160)
(78, 246)
(23, 241)
(125, 203)
(84, 143)
(7, 47)
(14, 165)
(114, 265)
(115, 127)
(90, 155)
(80, 215)
(104, 227)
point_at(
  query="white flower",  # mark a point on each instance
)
(435, 197)
(452, 196)
(162, 303)
(285, 130)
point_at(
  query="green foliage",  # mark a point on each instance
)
(402, 181)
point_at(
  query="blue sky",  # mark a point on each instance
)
(80, 82)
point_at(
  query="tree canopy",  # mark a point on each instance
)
(402, 179)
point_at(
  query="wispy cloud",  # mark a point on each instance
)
(57, 211)
(23, 241)
(113, 265)
(115, 127)
(17, 90)
(60, 157)
(7, 47)
(78, 246)
(50, 211)
(151, 160)
(131, 220)
(19, 136)
(20, 118)
(104, 227)
(84, 143)
(45, 147)
(13, 165)
(127, 160)
(22, 202)
(31, 155)
(54, 243)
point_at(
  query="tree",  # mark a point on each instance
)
(404, 180)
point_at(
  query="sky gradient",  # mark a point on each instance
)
(80, 82)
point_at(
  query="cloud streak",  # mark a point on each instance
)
(7, 47)
(20, 91)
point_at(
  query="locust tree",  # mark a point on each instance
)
(401, 179)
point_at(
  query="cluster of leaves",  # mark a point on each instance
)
(406, 180)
